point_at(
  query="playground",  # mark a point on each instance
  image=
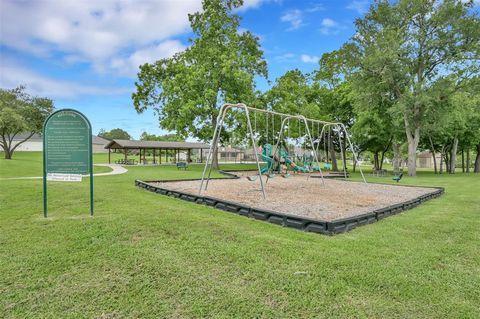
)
(293, 177)
(309, 198)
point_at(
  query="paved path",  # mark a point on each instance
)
(116, 170)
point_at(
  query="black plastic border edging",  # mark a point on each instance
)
(307, 224)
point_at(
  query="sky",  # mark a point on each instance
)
(84, 54)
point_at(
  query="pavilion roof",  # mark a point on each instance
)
(134, 144)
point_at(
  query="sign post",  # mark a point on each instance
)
(67, 150)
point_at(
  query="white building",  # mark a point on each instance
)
(35, 143)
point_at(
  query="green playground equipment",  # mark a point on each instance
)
(279, 131)
(397, 178)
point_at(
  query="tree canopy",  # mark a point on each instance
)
(20, 113)
(115, 134)
(167, 137)
(219, 66)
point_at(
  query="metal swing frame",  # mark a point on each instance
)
(241, 106)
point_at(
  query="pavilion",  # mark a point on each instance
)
(154, 146)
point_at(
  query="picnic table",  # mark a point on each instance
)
(379, 172)
(125, 162)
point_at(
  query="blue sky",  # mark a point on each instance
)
(84, 54)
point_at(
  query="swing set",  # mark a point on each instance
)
(277, 152)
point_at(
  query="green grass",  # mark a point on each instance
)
(150, 256)
(29, 164)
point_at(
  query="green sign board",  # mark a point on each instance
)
(67, 140)
(67, 149)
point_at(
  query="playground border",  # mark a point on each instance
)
(306, 224)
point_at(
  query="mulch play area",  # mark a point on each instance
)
(337, 205)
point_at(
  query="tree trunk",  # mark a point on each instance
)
(7, 153)
(468, 160)
(354, 165)
(432, 150)
(8, 146)
(477, 160)
(397, 157)
(453, 156)
(344, 154)
(413, 140)
(441, 161)
(375, 161)
(463, 161)
(332, 155)
(447, 161)
(382, 158)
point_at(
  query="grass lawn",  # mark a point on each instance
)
(149, 256)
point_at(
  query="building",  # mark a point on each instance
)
(35, 143)
(98, 144)
(425, 159)
(171, 152)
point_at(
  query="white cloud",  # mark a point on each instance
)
(361, 6)
(92, 31)
(286, 57)
(309, 58)
(316, 7)
(129, 65)
(110, 35)
(294, 17)
(13, 75)
(328, 23)
(329, 26)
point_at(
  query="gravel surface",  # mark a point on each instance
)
(304, 197)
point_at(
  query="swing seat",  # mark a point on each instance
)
(270, 175)
(287, 175)
(252, 178)
(397, 178)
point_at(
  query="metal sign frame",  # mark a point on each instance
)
(90, 158)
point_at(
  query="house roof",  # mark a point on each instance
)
(99, 140)
(133, 144)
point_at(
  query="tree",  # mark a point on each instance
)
(219, 66)
(407, 45)
(114, 134)
(20, 113)
(167, 137)
(293, 93)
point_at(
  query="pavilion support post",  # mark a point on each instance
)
(109, 160)
(153, 150)
(201, 155)
(188, 156)
(125, 150)
(160, 156)
(140, 155)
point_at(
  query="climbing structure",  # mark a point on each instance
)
(273, 155)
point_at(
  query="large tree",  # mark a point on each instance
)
(406, 46)
(115, 134)
(219, 66)
(20, 113)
